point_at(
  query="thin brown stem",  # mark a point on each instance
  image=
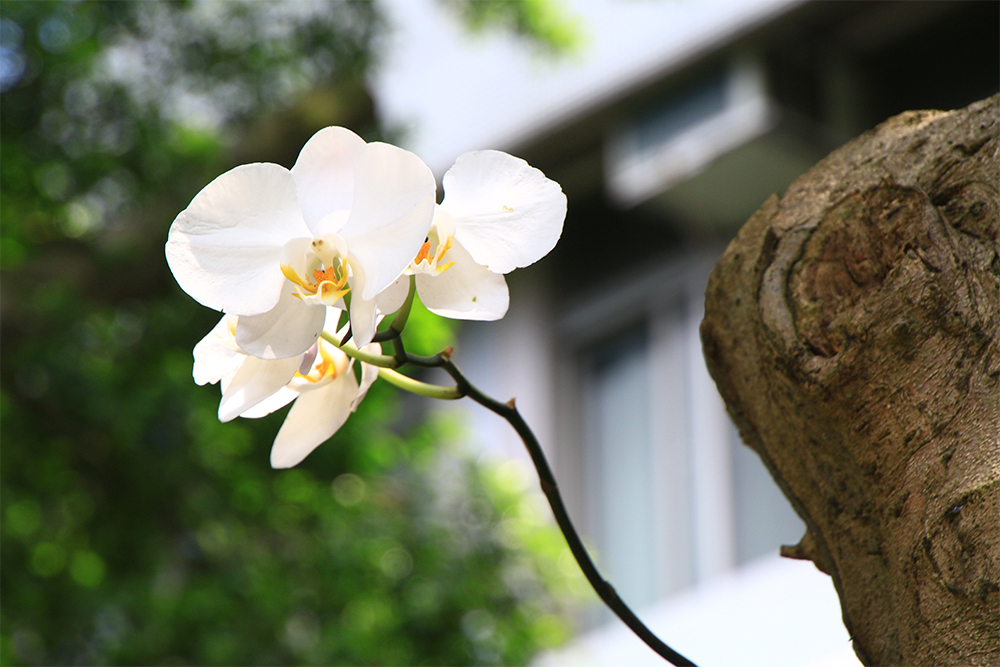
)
(547, 480)
(509, 412)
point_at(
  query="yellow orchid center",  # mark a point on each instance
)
(426, 262)
(328, 285)
(330, 363)
(425, 251)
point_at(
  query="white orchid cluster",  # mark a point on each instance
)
(350, 230)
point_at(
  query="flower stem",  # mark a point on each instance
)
(603, 589)
(417, 387)
(546, 478)
(380, 360)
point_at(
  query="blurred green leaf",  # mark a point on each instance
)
(547, 24)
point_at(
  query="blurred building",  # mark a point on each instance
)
(709, 108)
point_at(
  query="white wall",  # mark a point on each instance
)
(454, 92)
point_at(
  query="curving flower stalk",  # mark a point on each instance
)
(546, 478)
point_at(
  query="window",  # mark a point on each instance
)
(617, 460)
(649, 465)
(679, 134)
(670, 496)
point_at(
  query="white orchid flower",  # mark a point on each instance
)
(498, 214)
(270, 244)
(321, 382)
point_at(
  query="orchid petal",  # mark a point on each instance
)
(223, 249)
(444, 225)
(363, 320)
(394, 193)
(509, 214)
(297, 261)
(216, 355)
(315, 416)
(364, 313)
(275, 401)
(324, 177)
(369, 374)
(392, 297)
(255, 380)
(332, 322)
(465, 291)
(287, 330)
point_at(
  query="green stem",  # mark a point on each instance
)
(380, 360)
(418, 387)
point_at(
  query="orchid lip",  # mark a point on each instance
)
(325, 364)
(426, 262)
(328, 286)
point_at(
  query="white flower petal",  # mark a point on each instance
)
(324, 177)
(508, 213)
(255, 380)
(315, 416)
(369, 374)
(333, 317)
(224, 248)
(392, 297)
(465, 291)
(275, 401)
(216, 355)
(297, 257)
(391, 214)
(363, 320)
(444, 225)
(287, 330)
(365, 314)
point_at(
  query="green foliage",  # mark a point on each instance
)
(109, 108)
(136, 528)
(544, 23)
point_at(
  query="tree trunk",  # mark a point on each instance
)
(852, 329)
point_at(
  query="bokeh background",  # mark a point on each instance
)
(137, 529)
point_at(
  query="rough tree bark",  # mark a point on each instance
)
(852, 329)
